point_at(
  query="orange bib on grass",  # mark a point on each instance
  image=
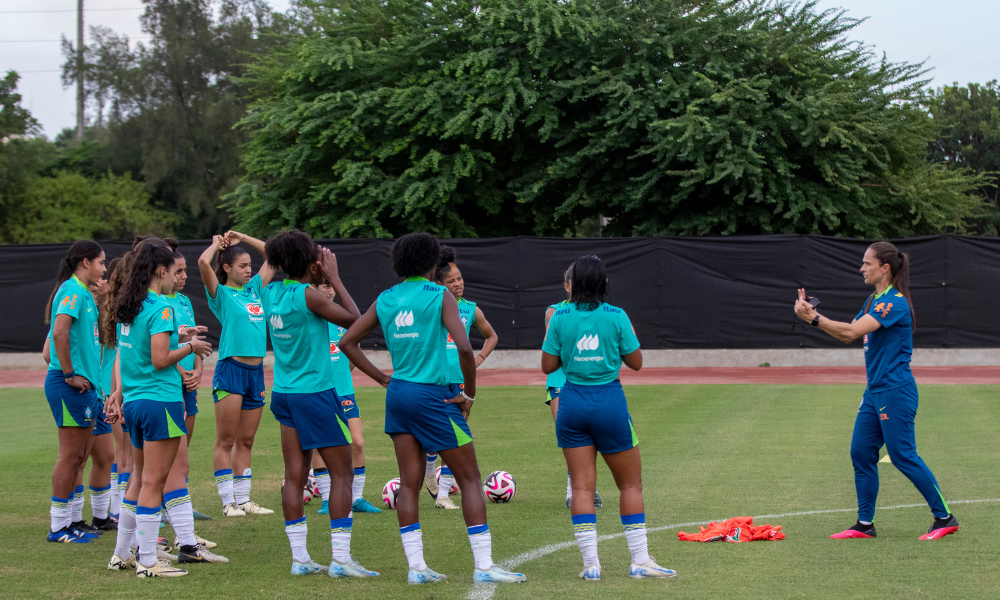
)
(736, 530)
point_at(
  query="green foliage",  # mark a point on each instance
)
(538, 116)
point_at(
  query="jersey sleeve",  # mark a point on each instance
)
(889, 309)
(551, 344)
(162, 319)
(69, 302)
(256, 284)
(215, 304)
(629, 341)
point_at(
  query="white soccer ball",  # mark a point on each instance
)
(499, 487)
(454, 486)
(390, 493)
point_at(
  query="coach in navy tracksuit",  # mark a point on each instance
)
(889, 405)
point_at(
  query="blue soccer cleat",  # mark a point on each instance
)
(496, 575)
(426, 576)
(308, 568)
(349, 569)
(591, 573)
(325, 509)
(650, 569)
(66, 536)
(364, 506)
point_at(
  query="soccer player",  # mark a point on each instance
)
(590, 340)
(889, 405)
(449, 275)
(152, 395)
(344, 387)
(422, 415)
(72, 379)
(238, 383)
(303, 399)
(121, 470)
(557, 379)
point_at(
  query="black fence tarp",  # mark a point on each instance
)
(680, 292)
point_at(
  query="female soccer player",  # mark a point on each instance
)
(122, 468)
(889, 405)
(450, 276)
(72, 379)
(190, 368)
(344, 386)
(421, 413)
(590, 340)
(238, 383)
(152, 395)
(557, 379)
(303, 399)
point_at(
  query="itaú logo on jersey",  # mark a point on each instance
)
(588, 342)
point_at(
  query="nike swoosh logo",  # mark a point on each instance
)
(883, 408)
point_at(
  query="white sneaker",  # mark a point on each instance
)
(120, 564)
(252, 508)
(306, 568)
(231, 510)
(650, 569)
(497, 575)
(431, 482)
(426, 576)
(162, 568)
(200, 540)
(446, 504)
(591, 573)
(349, 569)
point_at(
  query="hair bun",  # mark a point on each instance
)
(448, 255)
(171, 243)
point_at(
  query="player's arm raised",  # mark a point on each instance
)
(845, 332)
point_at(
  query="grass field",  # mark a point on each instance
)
(709, 452)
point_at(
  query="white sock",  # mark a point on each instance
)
(224, 481)
(147, 522)
(100, 500)
(241, 487)
(115, 496)
(76, 505)
(445, 483)
(569, 487)
(358, 485)
(864, 522)
(181, 515)
(413, 546)
(431, 461)
(635, 534)
(126, 529)
(340, 539)
(59, 514)
(323, 483)
(482, 546)
(585, 530)
(297, 532)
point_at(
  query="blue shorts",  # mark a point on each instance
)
(553, 394)
(100, 426)
(233, 377)
(595, 415)
(349, 406)
(152, 420)
(191, 403)
(70, 407)
(312, 416)
(419, 409)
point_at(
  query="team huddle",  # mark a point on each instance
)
(125, 359)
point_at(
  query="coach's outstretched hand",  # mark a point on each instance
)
(803, 309)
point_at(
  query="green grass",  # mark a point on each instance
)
(709, 452)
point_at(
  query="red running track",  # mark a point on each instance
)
(662, 376)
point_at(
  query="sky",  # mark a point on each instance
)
(957, 39)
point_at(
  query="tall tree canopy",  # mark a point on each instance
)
(500, 117)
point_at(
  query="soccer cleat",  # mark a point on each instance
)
(308, 568)
(446, 504)
(66, 536)
(106, 524)
(941, 528)
(650, 569)
(349, 569)
(598, 503)
(165, 545)
(162, 554)
(497, 575)
(591, 573)
(85, 528)
(856, 531)
(198, 555)
(569, 501)
(82, 534)
(426, 576)
(200, 540)
(162, 568)
(231, 510)
(252, 508)
(118, 563)
(364, 506)
(431, 482)
(325, 509)
(200, 516)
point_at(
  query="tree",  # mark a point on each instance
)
(20, 155)
(502, 117)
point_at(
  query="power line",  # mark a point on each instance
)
(19, 72)
(33, 41)
(28, 12)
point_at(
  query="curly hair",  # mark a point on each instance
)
(78, 252)
(448, 258)
(292, 251)
(136, 273)
(414, 254)
(107, 327)
(227, 256)
(590, 283)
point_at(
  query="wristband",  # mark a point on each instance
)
(815, 321)
(69, 375)
(466, 396)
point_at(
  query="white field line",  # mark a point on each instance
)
(485, 592)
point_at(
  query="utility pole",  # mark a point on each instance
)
(80, 95)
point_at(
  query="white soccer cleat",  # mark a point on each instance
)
(425, 576)
(591, 573)
(431, 482)
(232, 510)
(497, 575)
(162, 554)
(309, 568)
(252, 508)
(446, 504)
(349, 569)
(650, 569)
(162, 568)
(118, 563)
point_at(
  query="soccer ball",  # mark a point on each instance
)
(437, 475)
(500, 487)
(391, 492)
(311, 489)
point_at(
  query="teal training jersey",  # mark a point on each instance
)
(342, 381)
(74, 299)
(107, 369)
(410, 314)
(242, 318)
(557, 378)
(299, 338)
(590, 343)
(184, 315)
(467, 311)
(140, 379)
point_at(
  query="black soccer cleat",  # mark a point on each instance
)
(106, 524)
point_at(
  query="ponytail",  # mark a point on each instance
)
(132, 279)
(899, 269)
(227, 256)
(78, 252)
